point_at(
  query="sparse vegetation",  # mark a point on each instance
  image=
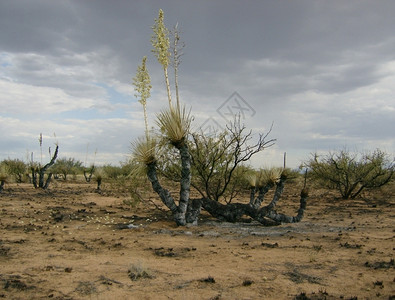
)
(351, 173)
(57, 244)
(111, 171)
(232, 260)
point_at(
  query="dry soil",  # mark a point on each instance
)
(70, 242)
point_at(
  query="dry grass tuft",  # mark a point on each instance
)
(139, 271)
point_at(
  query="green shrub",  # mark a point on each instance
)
(16, 168)
(351, 173)
(112, 172)
(67, 166)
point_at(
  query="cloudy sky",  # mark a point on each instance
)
(322, 72)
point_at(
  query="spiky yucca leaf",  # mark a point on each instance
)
(144, 150)
(252, 179)
(269, 176)
(174, 123)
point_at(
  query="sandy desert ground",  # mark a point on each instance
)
(69, 242)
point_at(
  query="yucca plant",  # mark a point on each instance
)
(88, 173)
(39, 170)
(269, 176)
(175, 124)
(99, 174)
(217, 162)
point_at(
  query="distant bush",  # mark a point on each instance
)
(3, 175)
(123, 180)
(67, 166)
(16, 168)
(351, 173)
(112, 172)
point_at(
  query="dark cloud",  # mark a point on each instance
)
(297, 63)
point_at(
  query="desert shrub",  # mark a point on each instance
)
(115, 175)
(127, 167)
(351, 173)
(3, 176)
(67, 166)
(134, 183)
(112, 172)
(139, 271)
(295, 175)
(126, 180)
(16, 168)
(217, 161)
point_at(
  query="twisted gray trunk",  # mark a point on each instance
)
(179, 212)
(164, 194)
(185, 182)
(277, 193)
(232, 212)
(42, 183)
(266, 215)
(88, 177)
(257, 202)
(193, 211)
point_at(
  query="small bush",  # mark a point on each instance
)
(16, 168)
(3, 176)
(139, 271)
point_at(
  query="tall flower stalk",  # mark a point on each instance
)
(161, 43)
(176, 49)
(142, 87)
